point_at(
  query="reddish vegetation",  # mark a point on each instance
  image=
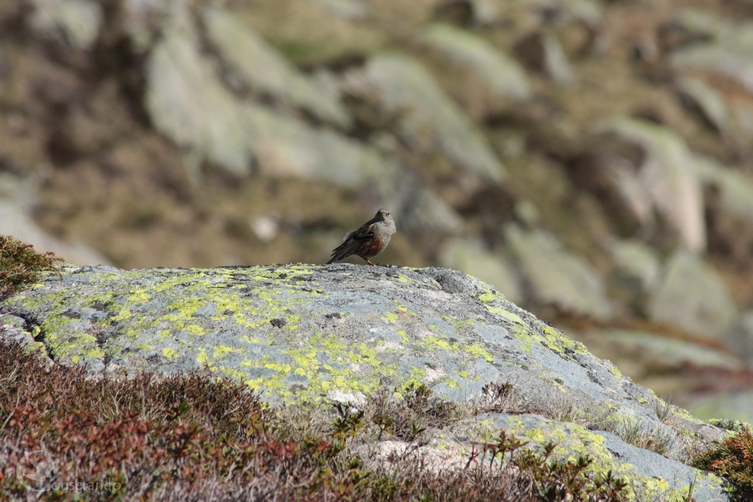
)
(733, 459)
(20, 265)
(194, 437)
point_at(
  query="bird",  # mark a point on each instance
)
(369, 240)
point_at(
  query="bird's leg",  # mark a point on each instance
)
(368, 261)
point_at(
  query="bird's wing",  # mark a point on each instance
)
(363, 233)
(352, 240)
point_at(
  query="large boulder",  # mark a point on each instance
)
(665, 177)
(259, 66)
(725, 47)
(428, 119)
(499, 72)
(557, 276)
(693, 296)
(729, 208)
(740, 338)
(79, 21)
(311, 334)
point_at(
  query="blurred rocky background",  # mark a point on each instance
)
(591, 159)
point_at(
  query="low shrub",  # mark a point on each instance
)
(21, 265)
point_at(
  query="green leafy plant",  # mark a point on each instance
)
(21, 265)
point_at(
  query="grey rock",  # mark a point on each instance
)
(556, 64)
(346, 9)
(585, 11)
(15, 328)
(735, 188)
(450, 448)
(469, 256)
(699, 22)
(740, 338)
(653, 350)
(708, 101)
(79, 20)
(599, 444)
(487, 12)
(717, 59)
(667, 175)
(557, 276)
(286, 146)
(188, 104)
(309, 333)
(692, 295)
(527, 213)
(728, 52)
(388, 323)
(428, 118)
(629, 190)
(263, 69)
(500, 73)
(636, 261)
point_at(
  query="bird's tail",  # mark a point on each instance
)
(340, 253)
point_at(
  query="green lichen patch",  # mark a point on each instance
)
(529, 330)
(303, 335)
(568, 442)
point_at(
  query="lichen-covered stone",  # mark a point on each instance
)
(471, 257)
(309, 333)
(650, 476)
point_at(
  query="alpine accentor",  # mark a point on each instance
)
(369, 240)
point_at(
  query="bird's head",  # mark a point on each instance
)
(384, 214)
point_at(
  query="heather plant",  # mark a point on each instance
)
(733, 460)
(21, 265)
(66, 435)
